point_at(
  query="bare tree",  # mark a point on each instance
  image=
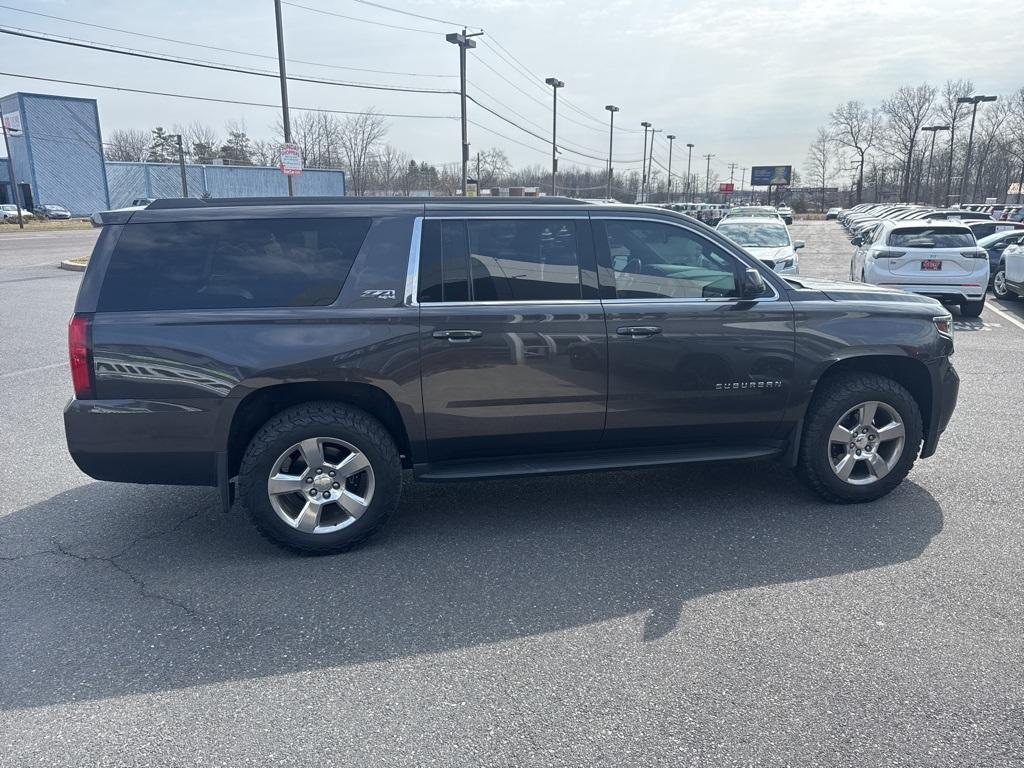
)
(1015, 131)
(264, 151)
(359, 137)
(858, 128)
(389, 166)
(819, 161)
(953, 113)
(989, 137)
(126, 144)
(908, 109)
(202, 142)
(494, 166)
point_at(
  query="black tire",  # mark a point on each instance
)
(999, 289)
(830, 402)
(320, 419)
(972, 308)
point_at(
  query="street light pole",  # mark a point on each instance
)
(643, 163)
(181, 164)
(975, 100)
(650, 164)
(689, 156)
(285, 120)
(707, 179)
(14, 176)
(555, 84)
(464, 41)
(612, 109)
(668, 184)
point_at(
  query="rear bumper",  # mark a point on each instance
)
(135, 441)
(945, 390)
(948, 293)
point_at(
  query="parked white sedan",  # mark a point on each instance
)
(767, 239)
(9, 213)
(1013, 261)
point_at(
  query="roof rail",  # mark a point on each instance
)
(171, 203)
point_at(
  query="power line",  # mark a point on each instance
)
(215, 47)
(356, 18)
(237, 102)
(414, 15)
(140, 54)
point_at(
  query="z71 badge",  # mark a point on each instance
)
(379, 293)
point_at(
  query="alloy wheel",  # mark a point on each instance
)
(866, 443)
(321, 485)
(999, 284)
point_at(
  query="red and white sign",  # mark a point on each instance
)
(726, 186)
(291, 159)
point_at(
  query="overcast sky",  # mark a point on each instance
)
(747, 80)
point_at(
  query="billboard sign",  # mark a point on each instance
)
(727, 187)
(771, 175)
(12, 121)
(291, 159)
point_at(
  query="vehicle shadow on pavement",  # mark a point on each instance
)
(112, 590)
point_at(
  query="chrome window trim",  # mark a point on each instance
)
(412, 276)
(725, 300)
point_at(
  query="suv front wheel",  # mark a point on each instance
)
(320, 478)
(861, 437)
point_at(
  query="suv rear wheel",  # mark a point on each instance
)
(320, 478)
(972, 308)
(861, 437)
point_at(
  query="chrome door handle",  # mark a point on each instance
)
(639, 331)
(459, 335)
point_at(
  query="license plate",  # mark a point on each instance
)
(932, 264)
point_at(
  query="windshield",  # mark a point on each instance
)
(932, 237)
(9, 207)
(756, 235)
(990, 240)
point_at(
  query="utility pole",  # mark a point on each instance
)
(743, 178)
(668, 184)
(707, 178)
(732, 171)
(650, 163)
(612, 109)
(975, 100)
(555, 84)
(14, 176)
(464, 41)
(478, 171)
(689, 156)
(181, 164)
(643, 163)
(286, 121)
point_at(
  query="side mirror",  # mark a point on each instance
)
(1000, 246)
(798, 244)
(858, 241)
(752, 285)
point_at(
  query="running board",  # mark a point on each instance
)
(588, 461)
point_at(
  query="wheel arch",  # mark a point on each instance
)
(258, 406)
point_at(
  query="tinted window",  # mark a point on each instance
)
(932, 237)
(444, 262)
(652, 260)
(523, 260)
(760, 235)
(231, 264)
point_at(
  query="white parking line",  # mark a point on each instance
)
(31, 370)
(1005, 315)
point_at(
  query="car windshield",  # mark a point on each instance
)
(995, 237)
(756, 235)
(10, 207)
(932, 237)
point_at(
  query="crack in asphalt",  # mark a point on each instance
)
(112, 560)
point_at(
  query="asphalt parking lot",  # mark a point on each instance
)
(693, 616)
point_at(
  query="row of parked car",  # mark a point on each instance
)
(9, 213)
(952, 254)
(712, 213)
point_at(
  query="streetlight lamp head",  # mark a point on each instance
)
(670, 137)
(965, 100)
(691, 146)
(987, 98)
(645, 124)
(611, 108)
(554, 82)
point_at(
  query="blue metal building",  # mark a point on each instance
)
(57, 153)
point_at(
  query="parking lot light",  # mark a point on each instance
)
(975, 101)
(612, 109)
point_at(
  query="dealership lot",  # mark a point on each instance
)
(685, 616)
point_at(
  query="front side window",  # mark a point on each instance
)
(500, 260)
(651, 260)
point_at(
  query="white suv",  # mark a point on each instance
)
(1013, 260)
(937, 258)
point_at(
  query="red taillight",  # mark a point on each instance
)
(80, 354)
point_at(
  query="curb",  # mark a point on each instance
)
(72, 265)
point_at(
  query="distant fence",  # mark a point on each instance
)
(128, 181)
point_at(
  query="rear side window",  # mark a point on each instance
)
(932, 237)
(231, 264)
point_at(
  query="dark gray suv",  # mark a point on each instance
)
(304, 352)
